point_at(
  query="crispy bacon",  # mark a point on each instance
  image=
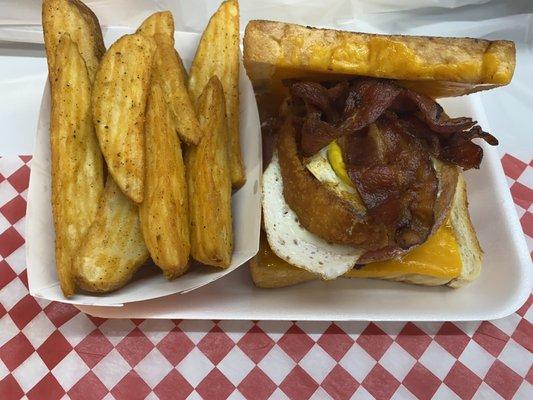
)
(433, 115)
(367, 99)
(315, 95)
(315, 131)
(395, 179)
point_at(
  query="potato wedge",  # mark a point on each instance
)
(169, 74)
(164, 211)
(209, 182)
(218, 54)
(119, 99)
(77, 165)
(76, 19)
(113, 248)
(159, 23)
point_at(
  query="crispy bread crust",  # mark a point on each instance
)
(471, 252)
(441, 67)
(270, 278)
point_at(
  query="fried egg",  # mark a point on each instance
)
(328, 167)
(291, 241)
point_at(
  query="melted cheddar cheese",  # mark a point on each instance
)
(438, 257)
(396, 57)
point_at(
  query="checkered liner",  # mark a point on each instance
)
(52, 351)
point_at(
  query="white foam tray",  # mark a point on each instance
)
(503, 286)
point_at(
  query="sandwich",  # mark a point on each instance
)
(364, 169)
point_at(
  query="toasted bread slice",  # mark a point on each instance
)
(437, 66)
(471, 252)
(269, 271)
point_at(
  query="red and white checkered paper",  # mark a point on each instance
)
(53, 351)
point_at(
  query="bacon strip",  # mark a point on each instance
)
(395, 179)
(315, 95)
(365, 100)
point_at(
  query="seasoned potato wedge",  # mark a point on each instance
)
(218, 54)
(77, 165)
(119, 99)
(169, 74)
(76, 19)
(113, 248)
(161, 23)
(209, 182)
(164, 211)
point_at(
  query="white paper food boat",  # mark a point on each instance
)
(246, 207)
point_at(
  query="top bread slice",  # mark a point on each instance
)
(269, 271)
(436, 66)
